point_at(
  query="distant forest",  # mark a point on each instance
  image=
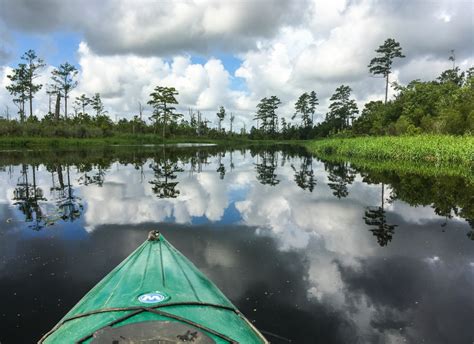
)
(441, 106)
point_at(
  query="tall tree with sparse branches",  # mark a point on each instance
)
(231, 118)
(82, 101)
(63, 77)
(452, 58)
(51, 91)
(162, 100)
(33, 65)
(220, 116)
(97, 105)
(262, 114)
(382, 64)
(313, 101)
(18, 88)
(273, 103)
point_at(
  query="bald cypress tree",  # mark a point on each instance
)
(162, 100)
(382, 63)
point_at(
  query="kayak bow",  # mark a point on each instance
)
(158, 296)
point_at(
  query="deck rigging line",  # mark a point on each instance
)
(139, 309)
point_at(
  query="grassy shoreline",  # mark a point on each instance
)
(405, 167)
(431, 149)
(46, 142)
(424, 148)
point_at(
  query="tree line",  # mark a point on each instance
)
(444, 105)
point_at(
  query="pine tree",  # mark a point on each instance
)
(220, 116)
(266, 114)
(18, 88)
(273, 104)
(262, 114)
(97, 105)
(64, 76)
(382, 64)
(33, 64)
(82, 101)
(342, 108)
(313, 101)
(302, 107)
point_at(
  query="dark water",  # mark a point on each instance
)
(313, 251)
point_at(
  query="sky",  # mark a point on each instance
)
(231, 53)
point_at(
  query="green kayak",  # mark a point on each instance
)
(155, 295)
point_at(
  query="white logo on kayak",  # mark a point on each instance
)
(154, 297)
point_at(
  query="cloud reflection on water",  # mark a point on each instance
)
(307, 256)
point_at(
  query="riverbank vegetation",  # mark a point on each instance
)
(422, 148)
(444, 106)
(128, 140)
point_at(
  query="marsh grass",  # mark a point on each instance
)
(406, 168)
(424, 148)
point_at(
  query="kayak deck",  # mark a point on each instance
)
(155, 284)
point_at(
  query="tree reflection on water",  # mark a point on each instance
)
(377, 217)
(304, 176)
(266, 166)
(165, 172)
(164, 168)
(340, 176)
(26, 196)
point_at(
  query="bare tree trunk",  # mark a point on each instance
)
(164, 126)
(383, 198)
(199, 123)
(140, 110)
(23, 114)
(65, 104)
(31, 101)
(59, 171)
(386, 89)
(58, 104)
(164, 120)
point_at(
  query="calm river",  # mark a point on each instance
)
(309, 250)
